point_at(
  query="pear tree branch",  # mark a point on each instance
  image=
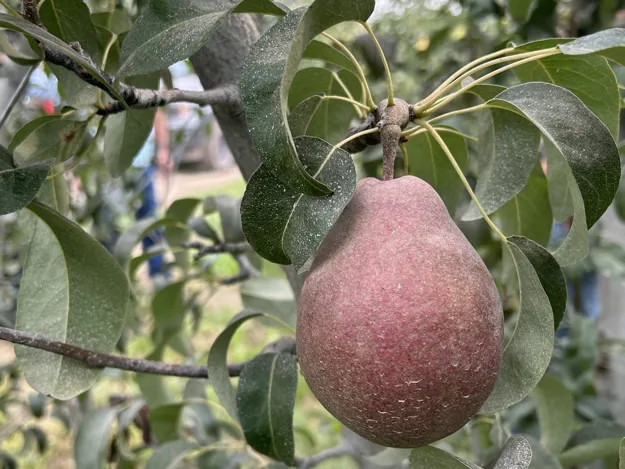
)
(138, 365)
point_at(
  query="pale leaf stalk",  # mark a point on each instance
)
(361, 74)
(458, 77)
(438, 91)
(361, 109)
(387, 70)
(444, 101)
(358, 106)
(414, 131)
(435, 135)
(404, 154)
(10, 9)
(107, 51)
(466, 110)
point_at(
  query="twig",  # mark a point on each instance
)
(246, 270)
(16, 96)
(342, 449)
(205, 250)
(103, 360)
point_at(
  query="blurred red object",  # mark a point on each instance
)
(47, 106)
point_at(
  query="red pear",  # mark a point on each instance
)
(400, 324)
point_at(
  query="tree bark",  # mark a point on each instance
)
(218, 63)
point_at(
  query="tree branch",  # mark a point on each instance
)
(205, 250)
(342, 449)
(104, 360)
(136, 98)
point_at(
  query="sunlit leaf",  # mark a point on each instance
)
(265, 400)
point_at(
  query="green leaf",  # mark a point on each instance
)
(168, 307)
(591, 155)
(167, 32)
(92, 439)
(164, 421)
(229, 210)
(609, 44)
(516, 454)
(265, 401)
(435, 458)
(57, 139)
(319, 50)
(267, 76)
(528, 353)
(590, 78)
(218, 365)
(19, 186)
(529, 212)
(29, 128)
(509, 153)
(270, 295)
(520, 10)
(70, 21)
(129, 239)
(28, 28)
(559, 178)
(259, 6)
(598, 430)
(621, 454)
(154, 389)
(591, 451)
(116, 21)
(285, 226)
(73, 291)
(126, 132)
(541, 458)
(428, 162)
(167, 456)
(555, 413)
(17, 56)
(55, 194)
(332, 119)
(301, 117)
(136, 262)
(390, 457)
(202, 228)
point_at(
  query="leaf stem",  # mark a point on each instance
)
(387, 70)
(359, 106)
(360, 112)
(404, 153)
(457, 112)
(438, 91)
(466, 184)
(444, 101)
(368, 98)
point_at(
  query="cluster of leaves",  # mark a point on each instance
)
(568, 100)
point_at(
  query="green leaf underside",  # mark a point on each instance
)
(26, 27)
(92, 438)
(265, 400)
(259, 6)
(428, 162)
(332, 120)
(218, 365)
(285, 226)
(126, 132)
(583, 140)
(73, 291)
(270, 295)
(510, 151)
(435, 458)
(55, 194)
(516, 453)
(168, 455)
(555, 408)
(589, 77)
(529, 212)
(164, 421)
(528, 352)
(267, 76)
(19, 186)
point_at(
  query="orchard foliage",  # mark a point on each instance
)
(309, 109)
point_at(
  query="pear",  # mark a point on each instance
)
(400, 324)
